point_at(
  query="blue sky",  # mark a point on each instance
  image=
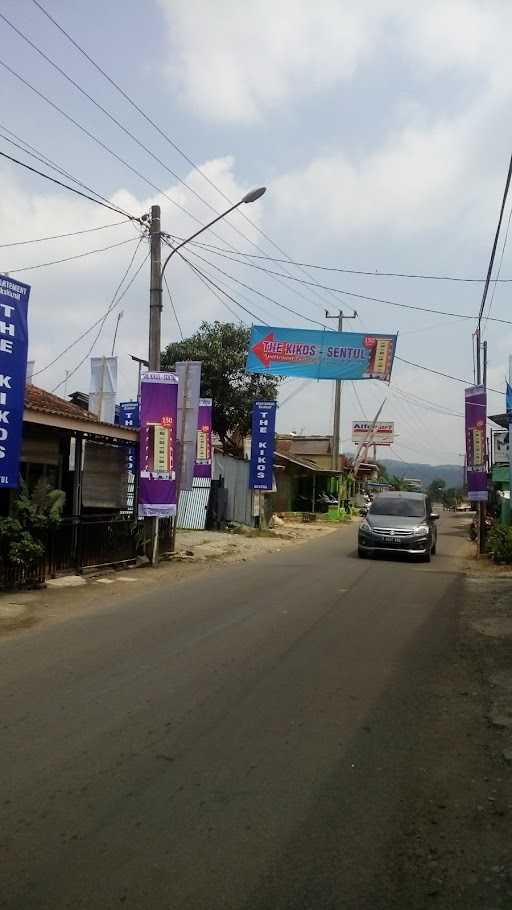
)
(381, 129)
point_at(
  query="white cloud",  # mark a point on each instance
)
(233, 61)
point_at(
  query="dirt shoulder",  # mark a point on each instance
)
(196, 552)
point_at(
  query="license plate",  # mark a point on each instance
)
(392, 540)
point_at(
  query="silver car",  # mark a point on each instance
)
(399, 523)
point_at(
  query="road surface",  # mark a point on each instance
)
(244, 740)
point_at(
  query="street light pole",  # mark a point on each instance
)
(155, 308)
(248, 198)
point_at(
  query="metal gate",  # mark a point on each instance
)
(193, 505)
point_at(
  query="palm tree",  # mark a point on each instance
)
(397, 483)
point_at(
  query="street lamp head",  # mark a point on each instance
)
(254, 194)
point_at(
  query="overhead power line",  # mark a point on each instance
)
(94, 324)
(173, 308)
(33, 152)
(116, 300)
(43, 265)
(259, 293)
(347, 293)
(66, 186)
(100, 227)
(168, 139)
(420, 366)
(218, 288)
(364, 273)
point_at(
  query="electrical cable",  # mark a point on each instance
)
(420, 366)
(115, 302)
(221, 300)
(42, 265)
(356, 393)
(173, 308)
(295, 392)
(100, 227)
(259, 293)
(213, 283)
(66, 186)
(95, 139)
(165, 135)
(33, 152)
(87, 331)
(406, 306)
(358, 272)
(486, 318)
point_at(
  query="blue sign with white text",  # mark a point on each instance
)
(129, 414)
(317, 354)
(262, 444)
(14, 297)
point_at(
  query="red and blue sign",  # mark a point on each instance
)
(316, 354)
(14, 297)
(262, 445)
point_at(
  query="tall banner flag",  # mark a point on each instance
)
(317, 354)
(203, 462)
(262, 445)
(476, 421)
(157, 445)
(103, 388)
(189, 378)
(14, 297)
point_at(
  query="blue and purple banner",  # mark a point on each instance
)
(476, 421)
(317, 354)
(262, 445)
(203, 462)
(157, 445)
(14, 297)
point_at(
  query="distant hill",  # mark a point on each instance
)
(451, 473)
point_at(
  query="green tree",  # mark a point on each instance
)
(222, 349)
(437, 489)
(397, 483)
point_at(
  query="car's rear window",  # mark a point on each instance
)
(405, 508)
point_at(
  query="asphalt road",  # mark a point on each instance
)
(243, 740)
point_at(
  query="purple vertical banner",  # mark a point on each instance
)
(203, 462)
(157, 445)
(476, 421)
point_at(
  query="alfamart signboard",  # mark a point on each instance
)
(382, 434)
(14, 297)
(317, 354)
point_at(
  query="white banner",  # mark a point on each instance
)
(383, 433)
(103, 388)
(500, 448)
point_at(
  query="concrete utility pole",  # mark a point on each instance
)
(337, 399)
(482, 506)
(155, 293)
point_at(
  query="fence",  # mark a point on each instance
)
(239, 499)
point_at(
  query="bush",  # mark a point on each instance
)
(499, 544)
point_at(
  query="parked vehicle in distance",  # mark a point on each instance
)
(399, 523)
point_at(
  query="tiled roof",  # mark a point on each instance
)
(40, 400)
